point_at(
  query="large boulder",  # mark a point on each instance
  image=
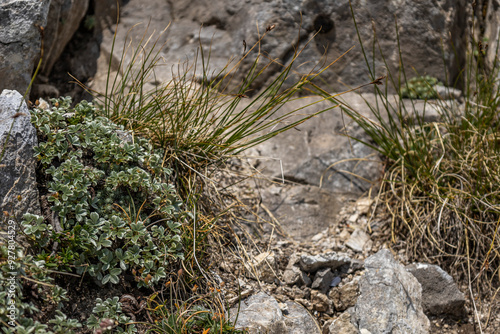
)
(425, 27)
(325, 29)
(21, 24)
(18, 189)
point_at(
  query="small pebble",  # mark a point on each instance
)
(336, 281)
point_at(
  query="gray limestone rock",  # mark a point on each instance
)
(262, 314)
(296, 276)
(293, 275)
(18, 190)
(322, 280)
(440, 295)
(20, 38)
(328, 27)
(330, 260)
(299, 320)
(447, 93)
(390, 299)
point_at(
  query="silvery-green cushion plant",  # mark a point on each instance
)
(114, 208)
(421, 87)
(112, 211)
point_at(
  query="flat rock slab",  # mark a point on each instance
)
(302, 211)
(318, 153)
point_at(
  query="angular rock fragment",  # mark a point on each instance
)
(330, 260)
(322, 280)
(293, 275)
(260, 313)
(343, 325)
(363, 205)
(440, 295)
(390, 299)
(296, 276)
(320, 302)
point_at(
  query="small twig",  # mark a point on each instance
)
(37, 282)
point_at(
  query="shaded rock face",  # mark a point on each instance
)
(322, 280)
(72, 45)
(18, 191)
(329, 27)
(231, 27)
(390, 299)
(440, 295)
(63, 21)
(20, 39)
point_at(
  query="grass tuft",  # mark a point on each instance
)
(441, 185)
